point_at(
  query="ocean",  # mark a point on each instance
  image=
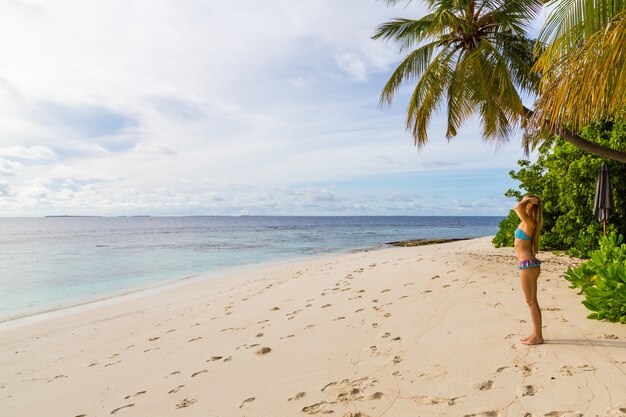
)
(54, 262)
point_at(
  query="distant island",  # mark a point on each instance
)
(68, 215)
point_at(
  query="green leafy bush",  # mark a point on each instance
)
(602, 279)
(504, 237)
(564, 177)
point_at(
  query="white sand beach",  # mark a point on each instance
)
(417, 331)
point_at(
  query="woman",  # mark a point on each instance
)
(527, 245)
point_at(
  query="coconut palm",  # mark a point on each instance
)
(583, 66)
(474, 57)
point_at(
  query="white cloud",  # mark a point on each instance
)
(34, 153)
(8, 167)
(353, 65)
(5, 190)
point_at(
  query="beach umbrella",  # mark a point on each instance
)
(603, 203)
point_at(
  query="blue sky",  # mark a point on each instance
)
(213, 107)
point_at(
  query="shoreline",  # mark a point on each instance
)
(401, 331)
(155, 288)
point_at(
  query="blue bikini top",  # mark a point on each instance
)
(520, 234)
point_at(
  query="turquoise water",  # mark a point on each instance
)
(48, 263)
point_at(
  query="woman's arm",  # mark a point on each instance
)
(520, 210)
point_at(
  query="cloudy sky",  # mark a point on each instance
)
(125, 107)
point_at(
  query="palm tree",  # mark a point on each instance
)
(583, 66)
(476, 58)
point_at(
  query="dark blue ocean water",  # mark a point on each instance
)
(47, 263)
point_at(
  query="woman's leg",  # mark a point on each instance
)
(529, 278)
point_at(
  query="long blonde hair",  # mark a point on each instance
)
(536, 213)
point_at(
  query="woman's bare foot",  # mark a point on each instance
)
(533, 341)
(523, 339)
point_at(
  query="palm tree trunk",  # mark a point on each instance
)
(584, 144)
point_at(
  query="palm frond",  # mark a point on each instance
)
(411, 68)
(578, 19)
(406, 32)
(587, 83)
(460, 106)
(428, 94)
(514, 15)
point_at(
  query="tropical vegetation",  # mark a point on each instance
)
(476, 58)
(602, 280)
(565, 178)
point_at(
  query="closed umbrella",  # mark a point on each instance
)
(603, 204)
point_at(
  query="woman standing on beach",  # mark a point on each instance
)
(527, 245)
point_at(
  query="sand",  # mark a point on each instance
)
(415, 331)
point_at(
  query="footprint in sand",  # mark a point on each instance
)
(404, 296)
(357, 414)
(135, 394)
(326, 305)
(608, 336)
(320, 407)
(263, 351)
(563, 414)
(57, 377)
(173, 373)
(297, 396)
(214, 358)
(120, 408)
(386, 334)
(569, 371)
(247, 400)
(194, 339)
(433, 400)
(485, 414)
(175, 390)
(339, 318)
(184, 403)
(198, 373)
(482, 386)
(527, 390)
